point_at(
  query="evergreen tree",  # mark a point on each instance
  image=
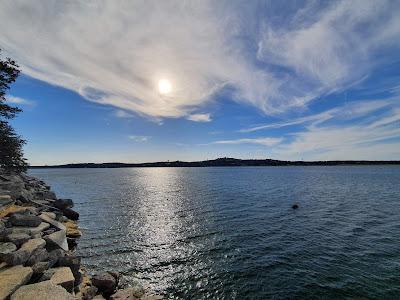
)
(11, 154)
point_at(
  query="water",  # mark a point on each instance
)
(230, 233)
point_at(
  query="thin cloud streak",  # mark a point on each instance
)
(122, 114)
(365, 131)
(266, 141)
(199, 118)
(345, 112)
(139, 138)
(19, 100)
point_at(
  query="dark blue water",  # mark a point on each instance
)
(230, 233)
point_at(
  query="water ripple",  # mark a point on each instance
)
(230, 233)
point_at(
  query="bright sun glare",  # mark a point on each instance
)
(164, 86)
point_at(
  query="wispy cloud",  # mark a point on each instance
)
(342, 113)
(199, 117)
(122, 114)
(139, 138)
(327, 49)
(265, 141)
(201, 47)
(19, 100)
(365, 131)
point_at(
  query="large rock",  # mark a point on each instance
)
(49, 214)
(87, 292)
(25, 220)
(125, 294)
(5, 200)
(44, 203)
(72, 229)
(71, 214)
(55, 255)
(37, 256)
(51, 221)
(63, 203)
(33, 245)
(72, 243)
(15, 188)
(15, 258)
(6, 248)
(22, 255)
(57, 239)
(47, 274)
(25, 196)
(137, 289)
(8, 210)
(18, 238)
(12, 278)
(12, 209)
(40, 267)
(45, 290)
(31, 230)
(64, 277)
(43, 195)
(105, 282)
(74, 263)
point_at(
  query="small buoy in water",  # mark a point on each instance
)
(295, 206)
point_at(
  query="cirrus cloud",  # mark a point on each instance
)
(114, 52)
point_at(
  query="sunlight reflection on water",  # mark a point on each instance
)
(230, 233)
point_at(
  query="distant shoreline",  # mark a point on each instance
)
(222, 162)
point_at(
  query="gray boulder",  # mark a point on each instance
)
(49, 231)
(63, 277)
(63, 203)
(40, 267)
(33, 244)
(18, 238)
(57, 239)
(137, 289)
(49, 214)
(12, 278)
(53, 222)
(87, 292)
(39, 255)
(22, 255)
(31, 230)
(71, 214)
(125, 294)
(25, 196)
(15, 258)
(47, 274)
(43, 290)
(74, 263)
(6, 248)
(5, 200)
(105, 282)
(43, 195)
(55, 256)
(25, 220)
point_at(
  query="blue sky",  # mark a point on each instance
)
(312, 80)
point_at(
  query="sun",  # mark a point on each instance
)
(164, 86)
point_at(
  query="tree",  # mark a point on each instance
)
(11, 153)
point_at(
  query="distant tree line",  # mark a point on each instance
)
(11, 152)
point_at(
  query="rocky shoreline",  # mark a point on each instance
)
(39, 234)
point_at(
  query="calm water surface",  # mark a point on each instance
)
(230, 233)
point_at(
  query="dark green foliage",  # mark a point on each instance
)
(11, 154)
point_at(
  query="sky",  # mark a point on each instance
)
(144, 81)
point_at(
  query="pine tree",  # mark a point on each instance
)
(11, 153)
